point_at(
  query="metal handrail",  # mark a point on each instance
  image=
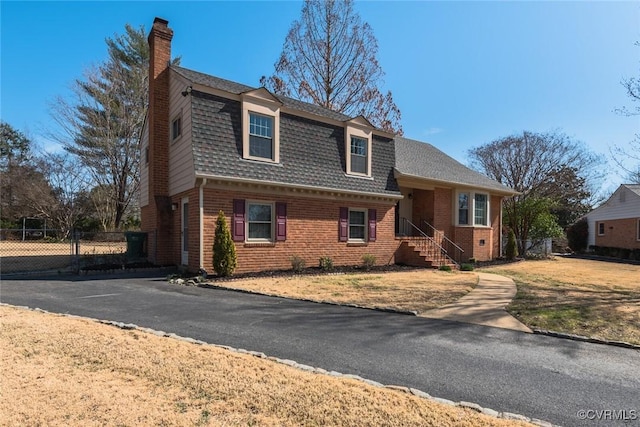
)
(431, 243)
(443, 236)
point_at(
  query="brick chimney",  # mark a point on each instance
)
(157, 216)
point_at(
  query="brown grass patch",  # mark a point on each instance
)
(74, 372)
(415, 290)
(585, 297)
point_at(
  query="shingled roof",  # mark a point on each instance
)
(238, 88)
(417, 159)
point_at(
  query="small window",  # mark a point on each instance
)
(357, 225)
(260, 136)
(463, 208)
(638, 230)
(601, 229)
(176, 128)
(259, 221)
(359, 159)
(480, 210)
(146, 155)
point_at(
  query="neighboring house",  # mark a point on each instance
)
(296, 179)
(616, 222)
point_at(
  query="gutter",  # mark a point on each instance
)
(453, 184)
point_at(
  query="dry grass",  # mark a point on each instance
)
(592, 298)
(414, 290)
(74, 372)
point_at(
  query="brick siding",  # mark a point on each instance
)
(618, 233)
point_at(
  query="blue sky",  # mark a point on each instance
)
(462, 73)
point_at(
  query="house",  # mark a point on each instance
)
(297, 179)
(616, 222)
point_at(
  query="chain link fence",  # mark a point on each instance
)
(31, 250)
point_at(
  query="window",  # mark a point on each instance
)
(601, 229)
(473, 209)
(357, 225)
(463, 209)
(260, 136)
(481, 210)
(176, 128)
(638, 234)
(359, 155)
(259, 221)
(256, 222)
(146, 155)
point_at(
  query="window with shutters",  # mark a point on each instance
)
(259, 221)
(357, 225)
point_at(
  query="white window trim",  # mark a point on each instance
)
(359, 132)
(366, 225)
(246, 222)
(263, 109)
(599, 223)
(472, 209)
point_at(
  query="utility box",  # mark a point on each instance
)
(136, 245)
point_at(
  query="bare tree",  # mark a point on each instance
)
(102, 122)
(329, 58)
(625, 156)
(60, 197)
(552, 172)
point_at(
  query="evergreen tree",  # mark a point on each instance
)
(224, 251)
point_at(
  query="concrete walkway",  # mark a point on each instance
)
(484, 305)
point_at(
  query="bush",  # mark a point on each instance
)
(297, 264)
(578, 235)
(368, 261)
(326, 263)
(224, 251)
(511, 250)
(466, 267)
(445, 268)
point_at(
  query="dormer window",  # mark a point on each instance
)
(260, 126)
(358, 134)
(359, 155)
(260, 136)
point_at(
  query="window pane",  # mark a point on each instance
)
(358, 155)
(480, 210)
(356, 218)
(260, 125)
(260, 147)
(463, 209)
(259, 231)
(259, 212)
(356, 232)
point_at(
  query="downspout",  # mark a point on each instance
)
(201, 215)
(501, 212)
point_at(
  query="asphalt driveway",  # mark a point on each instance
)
(541, 377)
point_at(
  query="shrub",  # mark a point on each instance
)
(445, 268)
(466, 267)
(326, 263)
(368, 261)
(511, 250)
(224, 251)
(297, 263)
(578, 235)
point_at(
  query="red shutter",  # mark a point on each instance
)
(343, 225)
(238, 220)
(281, 221)
(372, 225)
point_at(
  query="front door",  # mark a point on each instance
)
(184, 231)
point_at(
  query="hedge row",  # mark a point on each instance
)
(632, 254)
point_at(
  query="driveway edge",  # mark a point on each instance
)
(307, 368)
(583, 338)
